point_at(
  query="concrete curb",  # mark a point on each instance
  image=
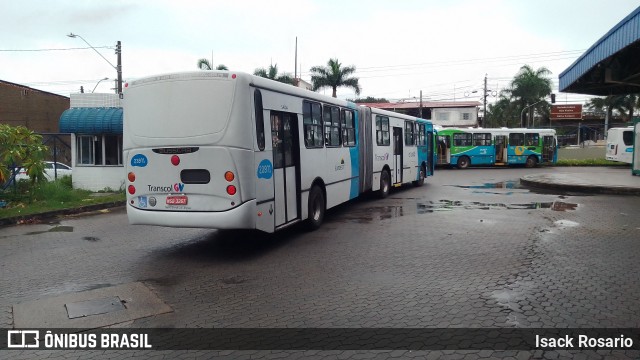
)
(51, 214)
(586, 188)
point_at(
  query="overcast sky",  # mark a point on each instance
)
(443, 48)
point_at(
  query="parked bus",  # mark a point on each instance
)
(620, 144)
(496, 147)
(225, 150)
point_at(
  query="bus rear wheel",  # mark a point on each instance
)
(316, 208)
(463, 162)
(532, 161)
(385, 184)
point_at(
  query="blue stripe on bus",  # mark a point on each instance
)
(355, 157)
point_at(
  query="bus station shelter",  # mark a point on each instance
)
(610, 67)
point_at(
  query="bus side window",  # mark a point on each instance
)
(516, 139)
(257, 96)
(382, 131)
(312, 122)
(531, 139)
(348, 128)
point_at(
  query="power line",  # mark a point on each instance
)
(65, 49)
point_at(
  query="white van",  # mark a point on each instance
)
(620, 144)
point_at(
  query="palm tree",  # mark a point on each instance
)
(204, 64)
(530, 86)
(334, 75)
(607, 105)
(272, 74)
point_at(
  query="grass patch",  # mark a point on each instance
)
(27, 199)
(589, 162)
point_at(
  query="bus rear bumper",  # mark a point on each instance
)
(241, 217)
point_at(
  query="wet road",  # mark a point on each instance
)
(471, 248)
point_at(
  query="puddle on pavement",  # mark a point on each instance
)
(58, 228)
(449, 205)
(371, 214)
(90, 238)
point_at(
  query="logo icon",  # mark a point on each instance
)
(142, 201)
(23, 339)
(152, 201)
(139, 160)
(265, 169)
(178, 187)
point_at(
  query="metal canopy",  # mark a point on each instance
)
(92, 121)
(610, 66)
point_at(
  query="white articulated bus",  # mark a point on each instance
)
(620, 144)
(228, 150)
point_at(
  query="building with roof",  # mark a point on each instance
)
(34, 109)
(95, 123)
(610, 67)
(441, 113)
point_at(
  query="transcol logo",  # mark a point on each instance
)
(177, 187)
(384, 157)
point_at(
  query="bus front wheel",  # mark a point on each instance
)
(385, 184)
(420, 180)
(532, 161)
(463, 162)
(316, 208)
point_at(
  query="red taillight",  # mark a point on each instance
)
(231, 190)
(233, 76)
(229, 176)
(175, 160)
(126, 85)
(131, 176)
(132, 189)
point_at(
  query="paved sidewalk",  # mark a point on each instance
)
(602, 180)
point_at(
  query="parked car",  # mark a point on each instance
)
(50, 169)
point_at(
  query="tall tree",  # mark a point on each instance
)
(608, 104)
(334, 76)
(204, 64)
(530, 86)
(272, 73)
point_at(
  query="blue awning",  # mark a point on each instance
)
(611, 65)
(92, 121)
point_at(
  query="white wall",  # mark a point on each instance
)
(95, 178)
(454, 116)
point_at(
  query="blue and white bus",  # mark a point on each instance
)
(229, 150)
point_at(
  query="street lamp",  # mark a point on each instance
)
(525, 108)
(117, 68)
(101, 80)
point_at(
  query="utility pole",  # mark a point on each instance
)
(119, 66)
(295, 65)
(484, 116)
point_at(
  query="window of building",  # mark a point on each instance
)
(516, 139)
(99, 150)
(348, 128)
(483, 139)
(382, 130)
(531, 139)
(462, 139)
(466, 116)
(312, 121)
(443, 116)
(331, 126)
(409, 132)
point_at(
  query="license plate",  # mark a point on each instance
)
(177, 200)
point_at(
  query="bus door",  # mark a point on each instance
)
(397, 154)
(548, 148)
(500, 143)
(286, 163)
(430, 156)
(444, 149)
